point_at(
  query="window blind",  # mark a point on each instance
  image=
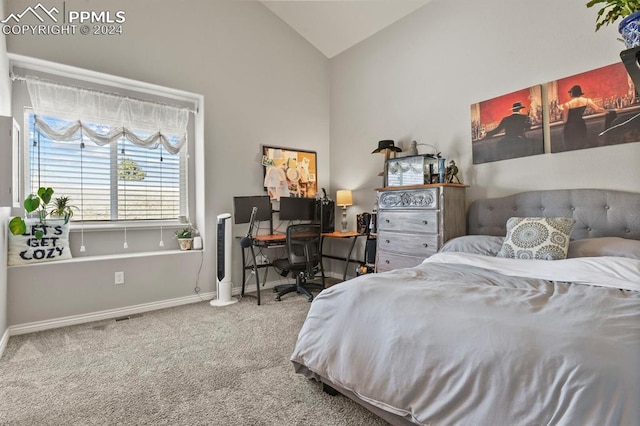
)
(114, 182)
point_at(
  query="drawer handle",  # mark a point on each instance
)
(386, 220)
(387, 241)
(386, 261)
(424, 222)
(425, 245)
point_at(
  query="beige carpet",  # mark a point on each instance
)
(189, 365)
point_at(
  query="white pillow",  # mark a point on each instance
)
(486, 245)
(604, 246)
(545, 238)
(26, 249)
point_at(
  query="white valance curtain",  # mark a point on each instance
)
(162, 124)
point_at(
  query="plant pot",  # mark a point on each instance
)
(55, 220)
(629, 29)
(58, 219)
(185, 243)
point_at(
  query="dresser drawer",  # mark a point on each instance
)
(412, 244)
(426, 198)
(388, 261)
(408, 221)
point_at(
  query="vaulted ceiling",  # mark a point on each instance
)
(333, 26)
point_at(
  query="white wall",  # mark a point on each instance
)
(417, 79)
(263, 84)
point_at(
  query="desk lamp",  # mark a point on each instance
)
(344, 198)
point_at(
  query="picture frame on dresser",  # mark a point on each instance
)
(412, 170)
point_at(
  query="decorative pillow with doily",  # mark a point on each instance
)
(545, 238)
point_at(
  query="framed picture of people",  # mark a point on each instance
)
(508, 126)
(289, 172)
(594, 108)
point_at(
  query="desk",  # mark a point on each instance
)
(266, 240)
(349, 234)
(279, 240)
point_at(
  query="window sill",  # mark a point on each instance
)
(108, 257)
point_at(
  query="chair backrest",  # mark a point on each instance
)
(246, 241)
(303, 246)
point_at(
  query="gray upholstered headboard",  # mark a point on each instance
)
(598, 212)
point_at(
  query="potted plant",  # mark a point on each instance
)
(629, 10)
(62, 208)
(33, 203)
(185, 237)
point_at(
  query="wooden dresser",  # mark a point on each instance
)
(415, 221)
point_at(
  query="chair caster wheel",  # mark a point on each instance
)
(310, 299)
(278, 299)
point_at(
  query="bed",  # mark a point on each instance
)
(478, 336)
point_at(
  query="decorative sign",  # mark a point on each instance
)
(26, 248)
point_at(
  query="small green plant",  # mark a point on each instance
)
(611, 10)
(34, 202)
(62, 208)
(185, 232)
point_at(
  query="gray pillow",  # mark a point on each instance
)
(605, 246)
(487, 245)
(544, 238)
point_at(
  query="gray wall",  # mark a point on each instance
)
(417, 79)
(263, 84)
(5, 109)
(4, 325)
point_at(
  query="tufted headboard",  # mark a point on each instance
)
(598, 212)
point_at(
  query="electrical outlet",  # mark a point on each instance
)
(119, 278)
(262, 259)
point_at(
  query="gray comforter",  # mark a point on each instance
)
(469, 342)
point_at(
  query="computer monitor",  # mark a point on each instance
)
(292, 208)
(242, 207)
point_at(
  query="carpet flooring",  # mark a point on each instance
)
(188, 365)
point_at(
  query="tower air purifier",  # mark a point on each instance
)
(223, 260)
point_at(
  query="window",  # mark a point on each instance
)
(129, 154)
(111, 182)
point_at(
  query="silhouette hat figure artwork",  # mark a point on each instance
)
(517, 106)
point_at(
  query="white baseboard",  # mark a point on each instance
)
(3, 341)
(32, 327)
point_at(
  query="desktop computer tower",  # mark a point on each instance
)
(325, 214)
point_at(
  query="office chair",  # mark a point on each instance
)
(304, 260)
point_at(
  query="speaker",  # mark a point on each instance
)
(373, 225)
(370, 251)
(197, 243)
(363, 221)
